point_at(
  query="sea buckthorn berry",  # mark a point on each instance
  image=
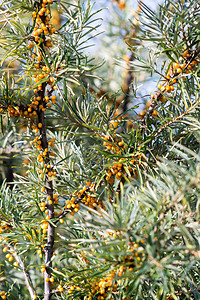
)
(185, 53)
(39, 125)
(121, 144)
(43, 269)
(182, 66)
(61, 289)
(11, 258)
(31, 45)
(52, 31)
(179, 70)
(176, 66)
(61, 221)
(43, 189)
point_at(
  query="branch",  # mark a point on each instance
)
(50, 231)
(27, 276)
(176, 119)
(159, 94)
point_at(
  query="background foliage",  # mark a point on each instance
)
(118, 186)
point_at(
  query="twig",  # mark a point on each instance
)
(176, 119)
(159, 95)
(50, 231)
(27, 276)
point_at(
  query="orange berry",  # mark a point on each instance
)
(43, 189)
(185, 53)
(31, 45)
(176, 66)
(11, 258)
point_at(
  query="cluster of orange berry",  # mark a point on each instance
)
(42, 29)
(177, 68)
(112, 233)
(135, 256)
(71, 288)
(123, 166)
(9, 256)
(30, 110)
(42, 25)
(44, 225)
(44, 208)
(114, 145)
(43, 205)
(4, 227)
(3, 295)
(41, 33)
(102, 288)
(107, 284)
(47, 170)
(167, 86)
(86, 196)
(40, 252)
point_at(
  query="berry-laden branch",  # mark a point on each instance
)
(18, 264)
(29, 284)
(189, 63)
(41, 31)
(39, 45)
